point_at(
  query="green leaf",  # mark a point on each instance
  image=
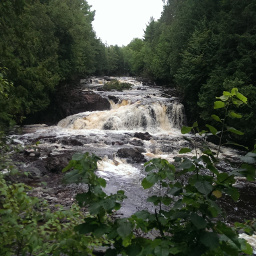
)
(198, 221)
(154, 199)
(216, 118)
(195, 124)
(187, 164)
(144, 215)
(166, 200)
(174, 191)
(233, 192)
(124, 229)
(237, 102)
(77, 156)
(223, 98)
(235, 131)
(241, 97)
(222, 176)
(150, 168)
(212, 129)
(234, 91)
(186, 129)
(225, 93)
(209, 239)
(203, 187)
(232, 114)
(185, 150)
(149, 180)
(102, 182)
(161, 251)
(219, 104)
(145, 184)
(246, 247)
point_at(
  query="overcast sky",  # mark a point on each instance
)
(119, 21)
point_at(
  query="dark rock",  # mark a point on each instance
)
(72, 142)
(56, 163)
(138, 143)
(35, 170)
(31, 152)
(143, 135)
(107, 78)
(134, 154)
(113, 98)
(69, 100)
(167, 148)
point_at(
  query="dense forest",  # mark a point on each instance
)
(199, 48)
(42, 44)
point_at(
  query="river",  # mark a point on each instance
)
(143, 123)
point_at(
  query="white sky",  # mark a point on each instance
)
(120, 21)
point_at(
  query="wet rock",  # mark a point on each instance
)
(34, 169)
(133, 154)
(113, 98)
(69, 101)
(108, 125)
(31, 152)
(142, 135)
(72, 142)
(56, 163)
(167, 148)
(136, 142)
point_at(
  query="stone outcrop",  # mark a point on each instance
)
(80, 101)
(142, 135)
(132, 154)
(69, 100)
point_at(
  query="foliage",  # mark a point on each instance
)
(116, 85)
(29, 227)
(201, 49)
(5, 115)
(41, 44)
(187, 218)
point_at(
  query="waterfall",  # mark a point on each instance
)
(153, 117)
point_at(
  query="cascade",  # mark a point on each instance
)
(143, 122)
(124, 115)
(135, 117)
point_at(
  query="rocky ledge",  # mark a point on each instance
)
(69, 100)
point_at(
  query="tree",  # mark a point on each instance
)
(42, 43)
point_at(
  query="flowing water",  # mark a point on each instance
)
(145, 111)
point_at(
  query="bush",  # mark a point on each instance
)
(116, 85)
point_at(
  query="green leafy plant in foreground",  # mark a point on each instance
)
(187, 219)
(29, 227)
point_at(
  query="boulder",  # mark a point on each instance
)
(142, 135)
(133, 154)
(69, 101)
(55, 163)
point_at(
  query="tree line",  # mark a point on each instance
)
(42, 44)
(200, 48)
